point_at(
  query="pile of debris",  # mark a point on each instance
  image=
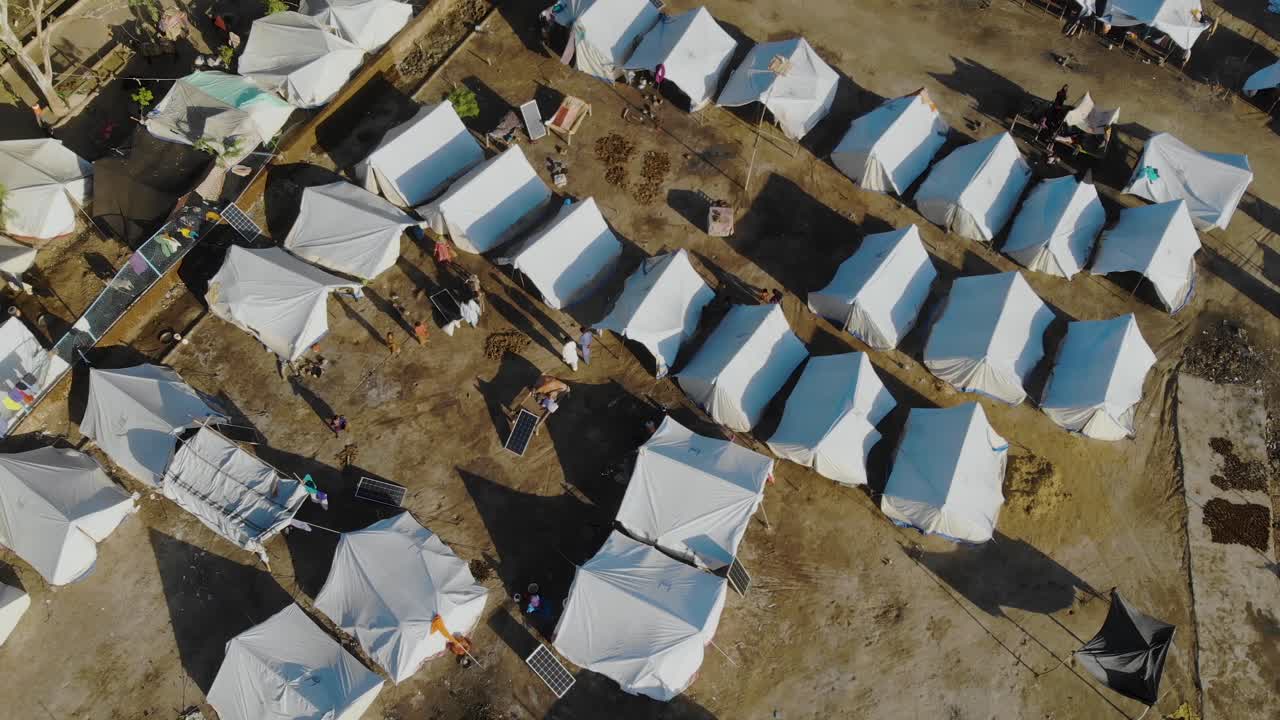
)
(1237, 473)
(1222, 354)
(654, 170)
(613, 149)
(499, 343)
(1240, 524)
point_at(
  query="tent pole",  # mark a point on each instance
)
(722, 652)
(765, 514)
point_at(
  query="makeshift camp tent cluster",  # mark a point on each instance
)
(346, 229)
(1056, 228)
(795, 85)
(1097, 377)
(570, 256)
(45, 186)
(1210, 183)
(370, 24)
(296, 56)
(416, 160)
(228, 113)
(1158, 241)
(1181, 20)
(489, 205)
(887, 149)
(606, 32)
(974, 190)
(692, 50)
(26, 371)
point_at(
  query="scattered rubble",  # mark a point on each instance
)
(616, 175)
(613, 149)
(1222, 354)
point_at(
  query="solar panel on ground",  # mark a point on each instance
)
(380, 492)
(242, 223)
(739, 578)
(533, 120)
(546, 666)
(521, 432)
(447, 304)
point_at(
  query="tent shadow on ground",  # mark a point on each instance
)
(205, 259)
(1262, 212)
(1270, 265)
(515, 372)
(529, 305)
(282, 198)
(787, 233)
(994, 95)
(595, 696)
(211, 599)
(523, 19)
(1255, 14)
(523, 323)
(32, 441)
(9, 576)
(852, 101)
(492, 108)
(358, 125)
(1136, 285)
(352, 311)
(536, 539)
(1038, 377)
(1237, 277)
(1005, 573)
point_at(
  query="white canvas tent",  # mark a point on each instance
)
(296, 56)
(640, 618)
(1056, 228)
(55, 506)
(693, 496)
(1158, 241)
(1181, 20)
(1265, 79)
(15, 258)
(878, 292)
(370, 24)
(948, 474)
(887, 149)
(693, 50)
(974, 190)
(223, 109)
(790, 79)
(13, 605)
(236, 495)
(417, 159)
(569, 257)
(830, 420)
(275, 297)
(490, 204)
(743, 364)
(990, 336)
(606, 32)
(1210, 183)
(134, 414)
(388, 583)
(287, 667)
(26, 371)
(660, 306)
(45, 186)
(1097, 378)
(347, 229)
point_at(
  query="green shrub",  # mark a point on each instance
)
(464, 103)
(143, 97)
(271, 7)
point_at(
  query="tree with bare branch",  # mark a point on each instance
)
(40, 74)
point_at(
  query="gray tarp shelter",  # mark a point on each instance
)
(1128, 653)
(134, 415)
(347, 229)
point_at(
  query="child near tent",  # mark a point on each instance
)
(584, 343)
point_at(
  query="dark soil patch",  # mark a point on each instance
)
(616, 175)
(1240, 524)
(499, 343)
(1237, 474)
(1222, 354)
(613, 149)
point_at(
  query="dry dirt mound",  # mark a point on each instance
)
(503, 342)
(1032, 485)
(1242, 524)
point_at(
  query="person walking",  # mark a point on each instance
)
(392, 344)
(584, 342)
(420, 331)
(569, 354)
(338, 424)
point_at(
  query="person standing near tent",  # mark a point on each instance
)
(338, 424)
(420, 331)
(569, 354)
(1060, 100)
(584, 342)
(445, 255)
(392, 344)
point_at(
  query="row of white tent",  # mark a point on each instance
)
(787, 76)
(395, 587)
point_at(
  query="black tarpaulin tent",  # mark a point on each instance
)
(1128, 653)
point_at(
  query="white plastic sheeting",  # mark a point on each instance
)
(569, 257)
(660, 306)
(349, 230)
(25, 367)
(134, 415)
(693, 496)
(990, 336)
(790, 79)
(490, 204)
(275, 297)
(1181, 20)
(1211, 183)
(831, 416)
(16, 258)
(225, 109)
(1265, 79)
(743, 364)
(974, 190)
(233, 493)
(55, 506)
(1158, 241)
(1089, 117)
(878, 292)
(45, 185)
(296, 56)
(640, 617)
(1056, 228)
(287, 667)
(388, 583)
(693, 50)
(418, 159)
(13, 605)
(890, 147)
(606, 33)
(948, 474)
(369, 24)
(1097, 378)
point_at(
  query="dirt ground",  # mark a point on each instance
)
(849, 616)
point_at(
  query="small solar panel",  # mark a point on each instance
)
(739, 578)
(533, 120)
(242, 223)
(521, 432)
(546, 666)
(380, 492)
(447, 304)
